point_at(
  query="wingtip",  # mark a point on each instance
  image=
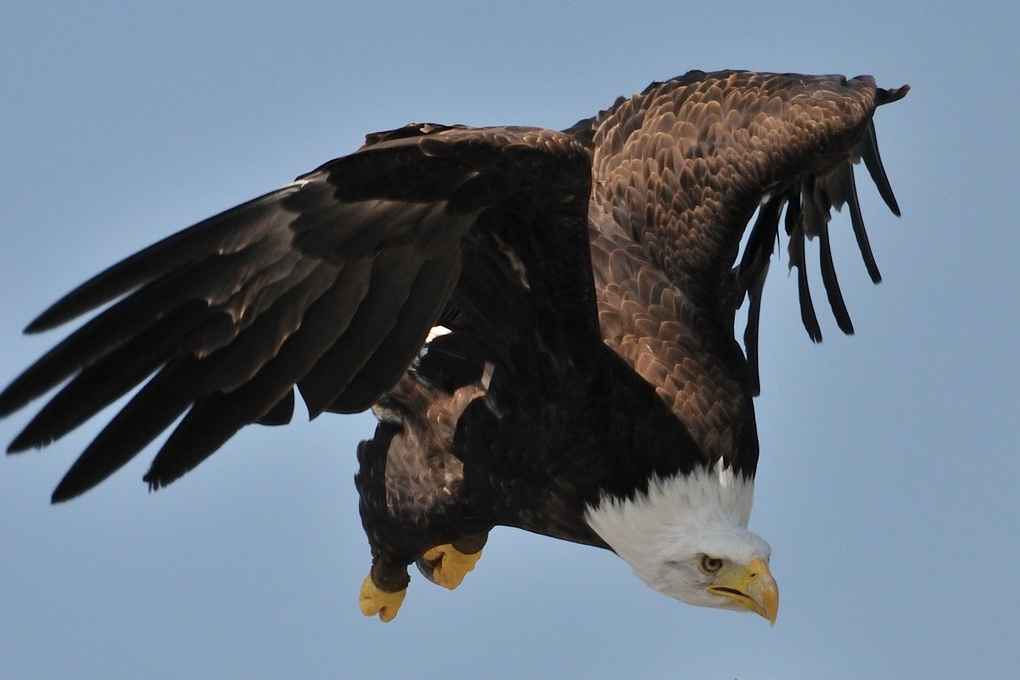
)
(36, 326)
(66, 490)
(32, 437)
(63, 310)
(873, 162)
(16, 447)
(80, 479)
(885, 96)
(57, 497)
(156, 481)
(46, 321)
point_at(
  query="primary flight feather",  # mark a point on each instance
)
(542, 322)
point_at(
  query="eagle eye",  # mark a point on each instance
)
(710, 564)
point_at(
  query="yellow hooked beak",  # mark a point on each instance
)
(751, 587)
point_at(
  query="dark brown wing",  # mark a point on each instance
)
(682, 168)
(330, 283)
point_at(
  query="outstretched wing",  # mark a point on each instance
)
(330, 283)
(683, 166)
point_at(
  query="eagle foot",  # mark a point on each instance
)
(374, 600)
(446, 566)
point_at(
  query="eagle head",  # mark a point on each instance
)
(687, 538)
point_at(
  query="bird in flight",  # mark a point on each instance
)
(541, 321)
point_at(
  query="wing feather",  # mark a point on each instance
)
(873, 162)
(329, 284)
(230, 232)
(390, 357)
(683, 166)
(831, 283)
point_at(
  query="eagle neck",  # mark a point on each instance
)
(675, 508)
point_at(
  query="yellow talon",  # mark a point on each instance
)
(374, 601)
(451, 565)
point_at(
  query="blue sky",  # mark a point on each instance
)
(889, 468)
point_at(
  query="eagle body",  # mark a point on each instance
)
(542, 322)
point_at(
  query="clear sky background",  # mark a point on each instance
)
(889, 466)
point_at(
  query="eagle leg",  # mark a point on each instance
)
(447, 564)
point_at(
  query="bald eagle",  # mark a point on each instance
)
(542, 322)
